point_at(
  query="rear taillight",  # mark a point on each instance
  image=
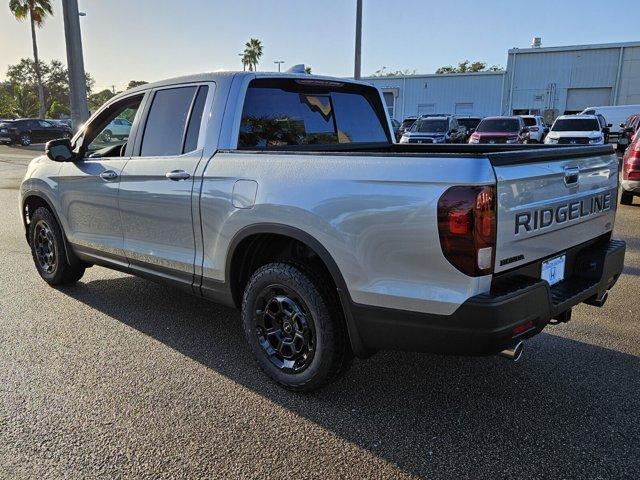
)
(631, 166)
(467, 227)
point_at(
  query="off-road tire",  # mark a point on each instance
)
(61, 272)
(332, 355)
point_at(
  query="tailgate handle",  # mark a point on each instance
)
(571, 176)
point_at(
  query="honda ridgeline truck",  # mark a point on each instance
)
(285, 196)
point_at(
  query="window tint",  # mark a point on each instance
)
(290, 113)
(163, 132)
(529, 121)
(499, 125)
(575, 125)
(193, 129)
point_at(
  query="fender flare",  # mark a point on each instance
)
(343, 293)
(71, 257)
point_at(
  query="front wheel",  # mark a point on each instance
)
(25, 139)
(626, 198)
(294, 327)
(106, 136)
(48, 250)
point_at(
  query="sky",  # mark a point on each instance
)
(154, 39)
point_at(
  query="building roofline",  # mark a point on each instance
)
(565, 48)
(432, 75)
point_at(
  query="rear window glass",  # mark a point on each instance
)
(163, 132)
(575, 125)
(529, 122)
(499, 125)
(283, 113)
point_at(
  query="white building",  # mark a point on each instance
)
(550, 80)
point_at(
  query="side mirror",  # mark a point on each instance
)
(609, 125)
(59, 150)
(622, 125)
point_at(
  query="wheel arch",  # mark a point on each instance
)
(30, 203)
(243, 239)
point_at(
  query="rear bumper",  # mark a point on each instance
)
(484, 324)
(632, 186)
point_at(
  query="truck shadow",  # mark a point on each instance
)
(569, 409)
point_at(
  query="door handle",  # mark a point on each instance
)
(177, 175)
(108, 175)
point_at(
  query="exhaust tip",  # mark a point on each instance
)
(514, 353)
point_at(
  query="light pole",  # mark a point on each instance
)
(279, 62)
(75, 63)
(357, 62)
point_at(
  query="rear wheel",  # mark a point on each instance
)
(25, 139)
(294, 328)
(48, 250)
(626, 198)
(106, 136)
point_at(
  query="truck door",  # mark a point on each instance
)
(156, 186)
(89, 186)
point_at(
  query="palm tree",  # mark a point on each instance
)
(37, 10)
(252, 54)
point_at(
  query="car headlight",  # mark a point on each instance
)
(440, 139)
(550, 140)
(474, 140)
(404, 139)
(595, 140)
(512, 140)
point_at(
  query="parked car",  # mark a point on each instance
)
(60, 121)
(577, 130)
(615, 115)
(500, 130)
(443, 129)
(395, 125)
(630, 183)
(469, 123)
(404, 126)
(26, 131)
(118, 128)
(537, 129)
(333, 241)
(628, 130)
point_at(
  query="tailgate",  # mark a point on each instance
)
(552, 199)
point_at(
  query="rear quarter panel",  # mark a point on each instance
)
(375, 215)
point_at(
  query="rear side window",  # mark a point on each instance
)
(165, 127)
(193, 129)
(280, 113)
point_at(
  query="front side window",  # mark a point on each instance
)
(103, 141)
(285, 112)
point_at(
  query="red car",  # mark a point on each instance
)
(630, 182)
(500, 130)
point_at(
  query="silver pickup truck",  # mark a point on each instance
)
(286, 197)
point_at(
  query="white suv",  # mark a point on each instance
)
(576, 130)
(537, 128)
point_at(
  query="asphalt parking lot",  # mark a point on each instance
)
(119, 377)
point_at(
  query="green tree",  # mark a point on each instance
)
(58, 110)
(252, 54)
(55, 80)
(135, 83)
(97, 99)
(467, 67)
(383, 72)
(25, 103)
(37, 11)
